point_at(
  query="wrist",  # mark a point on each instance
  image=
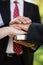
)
(28, 27)
(8, 30)
(4, 32)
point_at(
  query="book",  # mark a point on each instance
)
(19, 37)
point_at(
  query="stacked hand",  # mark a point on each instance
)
(21, 25)
(19, 20)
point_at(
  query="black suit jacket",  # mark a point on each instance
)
(31, 11)
(37, 34)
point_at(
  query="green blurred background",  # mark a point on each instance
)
(38, 55)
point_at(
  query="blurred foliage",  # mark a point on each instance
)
(38, 56)
(40, 4)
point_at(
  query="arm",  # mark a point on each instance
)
(23, 42)
(4, 32)
(35, 33)
(10, 31)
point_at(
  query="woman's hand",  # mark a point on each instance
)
(14, 31)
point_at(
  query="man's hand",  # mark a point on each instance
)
(21, 23)
(20, 20)
(24, 43)
(23, 27)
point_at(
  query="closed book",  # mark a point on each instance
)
(19, 37)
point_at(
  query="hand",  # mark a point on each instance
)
(19, 20)
(23, 27)
(24, 43)
(13, 31)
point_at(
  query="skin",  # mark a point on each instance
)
(24, 43)
(10, 30)
(19, 20)
(19, 23)
(25, 28)
(22, 24)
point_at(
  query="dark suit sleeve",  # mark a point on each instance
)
(35, 33)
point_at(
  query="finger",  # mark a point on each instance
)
(17, 41)
(23, 27)
(17, 21)
(18, 32)
(14, 21)
(16, 27)
(28, 20)
(11, 22)
(22, 20)
(12, 25)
